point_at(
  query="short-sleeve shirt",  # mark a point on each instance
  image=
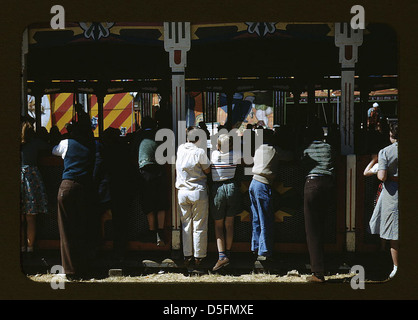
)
(320, 157)
(190, 163)
(388, 159)
(224, 165)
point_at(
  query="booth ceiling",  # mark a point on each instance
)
(108, 51)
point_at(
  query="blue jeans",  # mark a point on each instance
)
(262, 240)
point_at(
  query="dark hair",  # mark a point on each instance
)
(268, 136)
(394, 130)
(191, 134)
(315, 132)
(27, 133)
(148, 123)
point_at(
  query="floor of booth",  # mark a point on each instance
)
(377, 266)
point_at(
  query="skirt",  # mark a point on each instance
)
(384, 220)
(33, 198)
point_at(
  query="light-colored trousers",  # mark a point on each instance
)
(194, 207)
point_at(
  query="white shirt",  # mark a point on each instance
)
(224, 165)
(190, 163)
(61, 148)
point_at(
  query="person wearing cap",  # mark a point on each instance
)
(192, 166)
(373, 116)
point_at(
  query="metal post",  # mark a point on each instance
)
(348, 40)
(311, 110)
(177, 43)
(100, 120)
(38, 111)
(25, 48)
(229, 98)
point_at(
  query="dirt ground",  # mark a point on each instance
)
(169, 277)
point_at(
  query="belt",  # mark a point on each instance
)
(395, 179)
(225, 181)
(311, 177)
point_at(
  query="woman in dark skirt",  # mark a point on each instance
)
(32, 189)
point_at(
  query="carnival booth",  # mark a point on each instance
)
(282, 76)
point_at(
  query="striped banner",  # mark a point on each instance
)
(117, 112)
(61, 110)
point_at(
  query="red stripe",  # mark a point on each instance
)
(63, 108)
(111, 104)
(346, 113)
(121, 117)
(349, 118)
(350, 195)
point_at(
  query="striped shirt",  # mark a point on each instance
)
(224, 165)
(318, 158)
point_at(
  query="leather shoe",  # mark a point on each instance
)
(220, 264)
(316, 278)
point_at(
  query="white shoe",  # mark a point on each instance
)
(392, 274)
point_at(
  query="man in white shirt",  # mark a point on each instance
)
(192, 166)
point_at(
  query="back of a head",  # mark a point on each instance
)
(394, 130)
(202, 125)
(225, 143)
(315, 132)
(192, 134)
(268, 136)
(148, 123)
(28, 132)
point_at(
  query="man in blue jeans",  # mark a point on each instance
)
(266, 160)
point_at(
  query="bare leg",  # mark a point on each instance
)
(161, 219)
(229, 226)
(160, 231)
(394, 246)
(219, 234)
(151, 221)
(223, 259)
(30, 230)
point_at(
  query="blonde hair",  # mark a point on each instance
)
(28, 132)
(225, 143)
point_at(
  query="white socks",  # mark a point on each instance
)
(392, 274)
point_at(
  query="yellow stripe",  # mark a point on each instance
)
(125, 102)
(67, 115)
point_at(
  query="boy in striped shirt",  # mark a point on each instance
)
(225, 196)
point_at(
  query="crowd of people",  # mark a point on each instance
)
(101, 176)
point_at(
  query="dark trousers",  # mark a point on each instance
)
(73, 224)
(317, 197)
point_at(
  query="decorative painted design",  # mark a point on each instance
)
(261, 28)
(117, 112)
(45, 110)
(280, 192)
(348, 40)
(61, 110)
(247, 108)
(96, 30)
